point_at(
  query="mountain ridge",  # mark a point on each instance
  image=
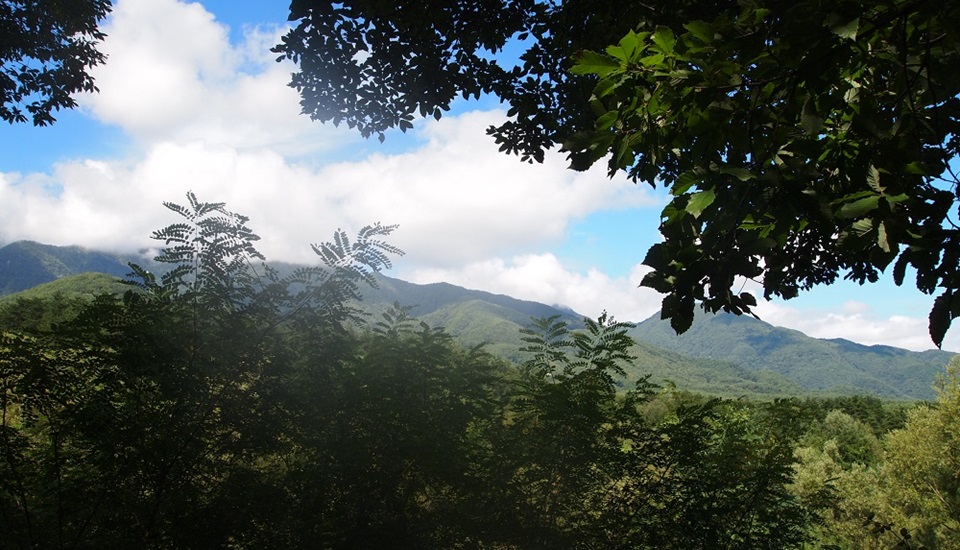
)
(26, 264)
(739, 353)
(757, 345)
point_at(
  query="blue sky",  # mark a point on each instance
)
(192, 99)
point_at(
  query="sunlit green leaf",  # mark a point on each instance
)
(741, 174)
(883, 239)
(632, 44)
(589, 62)
(811, 121)
(873, 179)
(663, 37)
(652, 61)
(859, 207)
(698, 202)
(847, 29)
(700, 29)
(685, 182)
(607, 120)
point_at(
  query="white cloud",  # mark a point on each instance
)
(162, 54)
(855, 321)
(218, 118)
(544, 278)
(457, 199)
(172, 74)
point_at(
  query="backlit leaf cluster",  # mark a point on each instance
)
(800, 142)
(46, 52)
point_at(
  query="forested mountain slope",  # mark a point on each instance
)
(722, 354)
(832, 366)
(476, 317)
(26, 264)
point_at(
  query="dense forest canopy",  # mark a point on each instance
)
(801, 141)
(222, 405)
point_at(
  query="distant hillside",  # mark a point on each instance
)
(41, 307)
(830, 366)
(26, 264)
(722, 354)
(84, 285)
(475, 316)
(429, 298)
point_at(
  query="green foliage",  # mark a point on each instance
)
(794, 165)
(710, 475)
(388, 454)
(722, 355)
(210, 253)
(855, 442)
(32, 314)
(228, 406)
(376, 66)
(135, 423)
(48, 49)
(921, 467)
(905, 497)
(881, 417)
(569, 383)
(800, 141)
(84, 285)
(588, 467)
(41, 307)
